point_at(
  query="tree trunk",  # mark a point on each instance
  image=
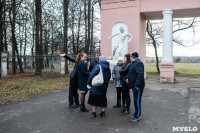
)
(85, 14)
(14, 42)
(78, 37)
(73, 38)
(1, 29)
(92, 28)
(37, 37)
(25, 43)
(65, 8)
(88, 40)
(157, 60)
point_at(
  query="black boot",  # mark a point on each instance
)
(124, 103)
(102, 114)
(83, 109)
(118, 104)
(94, 114)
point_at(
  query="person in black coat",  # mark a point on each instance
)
(125, 87)
(94, 62)
(136, 82)
(83, 75)
(97, 95)
(73, 85)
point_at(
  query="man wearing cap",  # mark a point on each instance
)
(136, 82)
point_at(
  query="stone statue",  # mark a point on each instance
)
(120, 43)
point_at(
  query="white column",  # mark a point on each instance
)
(167, 37)
(4, 56)
(62, 66)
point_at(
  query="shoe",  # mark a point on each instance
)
(117, 105)
(78, 104)
(94, 114)
(133, 119)
(102, 114)
(83, 109)
(133, 115)
(125, 111)
(73, 106)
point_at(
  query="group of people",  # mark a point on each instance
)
(127, 74)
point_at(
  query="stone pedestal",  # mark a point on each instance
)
(62, 65)
(167, 73)
(167, 63)
(4, 56)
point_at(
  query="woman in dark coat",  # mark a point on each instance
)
(73, 85)
(125, 87)
(97, 95)
(83, 75)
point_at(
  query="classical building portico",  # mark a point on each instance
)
(132, 14)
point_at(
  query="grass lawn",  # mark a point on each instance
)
(188, 69)
(19, 88)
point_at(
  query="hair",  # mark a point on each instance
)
(127, 61)
(78, 57)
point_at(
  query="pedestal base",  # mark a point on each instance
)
(167, 73)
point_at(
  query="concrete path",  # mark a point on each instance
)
(164, 106)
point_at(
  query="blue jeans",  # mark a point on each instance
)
(73, 94)
(126, 91)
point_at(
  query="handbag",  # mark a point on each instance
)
(98, 79)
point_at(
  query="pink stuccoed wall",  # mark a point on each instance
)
(134, 14)
(159, 5)
(127, 12)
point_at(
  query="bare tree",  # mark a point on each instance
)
(155, 34)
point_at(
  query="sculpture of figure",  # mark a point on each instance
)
(122, 36)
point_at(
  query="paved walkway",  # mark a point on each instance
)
(164, 106)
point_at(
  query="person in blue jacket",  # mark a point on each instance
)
(97, 95)
(118, 83)
(136, 82)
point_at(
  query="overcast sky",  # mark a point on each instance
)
(189, 38)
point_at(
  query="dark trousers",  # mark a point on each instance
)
(120, 94)
(73, 94)
(137, 101)
(126, 91)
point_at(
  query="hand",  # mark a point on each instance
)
(136, 88)
(62, 55)
(88, 86)
(127, 81)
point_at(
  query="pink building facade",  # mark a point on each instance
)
(134, 14)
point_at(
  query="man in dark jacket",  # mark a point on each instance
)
(136, 82)
(94, 62)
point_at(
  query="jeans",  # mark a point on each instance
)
(126, 91)
(73, 94)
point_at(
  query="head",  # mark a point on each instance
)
(80, 57)
(102, 58)
(98, 54)
(121, 29)
(134, 56)
(127, 58)
(87, 60)
(120, 60)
